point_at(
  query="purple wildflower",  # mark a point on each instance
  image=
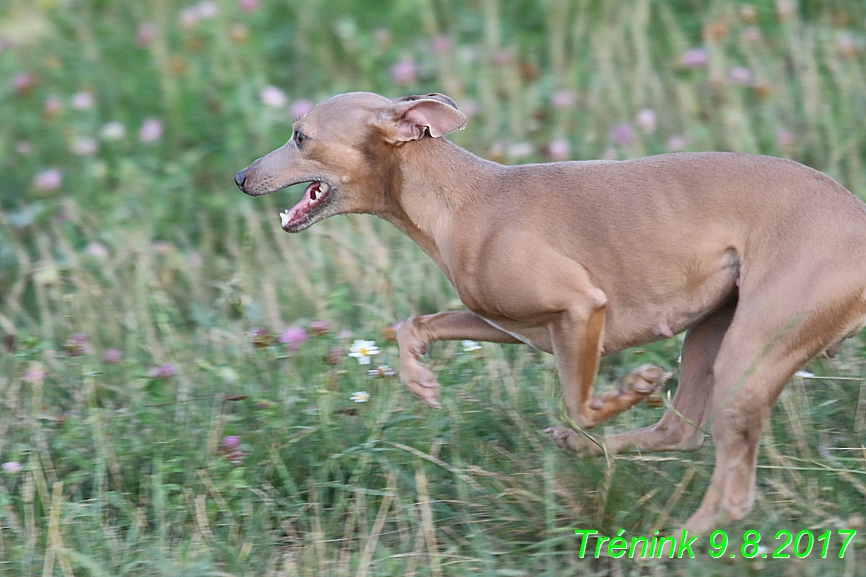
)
(53, 106)
(646, 120)
(96, 249)
(440, 45)
(751, 34)
(559, 150)
(847, 45)
(207, 9)
(230, 447)
(188, 17)
(334, 356)
(382, 36)
(146, 34)
(48, 180)
(34, 374)
(273, 97)
(740, 75)
(194, 259)
(76, 345)
(248, 5)
(469, 107)
(261, 338)
(300, 108)
(320, 327)
(785, 139)
(112, 357)
(562, 98)
(622, 134)
(293, 337)
(404, 73)
(231, 442)
(151, 130)
(23, 83)
(677, 142)
(162, 371)
(694, 58)
(82, 100)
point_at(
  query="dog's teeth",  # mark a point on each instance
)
(311, 202)
(284, 218)
(324, 188)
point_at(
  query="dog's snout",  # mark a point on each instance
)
(240, 179)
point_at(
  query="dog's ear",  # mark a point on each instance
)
(413, 117)
(432, 96)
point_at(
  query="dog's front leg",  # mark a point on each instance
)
(416, 333)
(577, 335)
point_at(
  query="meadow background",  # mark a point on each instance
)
(176, 395)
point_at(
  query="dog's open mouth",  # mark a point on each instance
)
(314, 195)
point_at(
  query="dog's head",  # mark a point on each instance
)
(344, 148)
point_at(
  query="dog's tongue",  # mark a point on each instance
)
(313, 195)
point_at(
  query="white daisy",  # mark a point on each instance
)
(360, 396)
(469, 346)
(363, 350)
(382, 371)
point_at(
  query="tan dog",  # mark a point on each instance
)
(762, 260)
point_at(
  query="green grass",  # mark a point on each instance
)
(148, 250)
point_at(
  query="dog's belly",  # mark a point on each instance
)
(633, 324)
(647, 304)
(616, 338)
(534, 336)
(651, 326)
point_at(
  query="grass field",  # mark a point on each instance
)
(176, 395)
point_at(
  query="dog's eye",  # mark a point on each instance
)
(300, 137)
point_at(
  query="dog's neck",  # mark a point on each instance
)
(438, 180)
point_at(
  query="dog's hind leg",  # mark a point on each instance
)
(775, 330)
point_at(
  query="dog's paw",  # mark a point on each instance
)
(421, 381)
(701, 523)
(572, 441)
(629, 391)
(644, 380)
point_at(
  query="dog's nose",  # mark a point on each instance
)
(240, 178)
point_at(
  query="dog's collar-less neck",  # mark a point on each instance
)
(428, 200)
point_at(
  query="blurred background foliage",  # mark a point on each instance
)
(175, 391)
